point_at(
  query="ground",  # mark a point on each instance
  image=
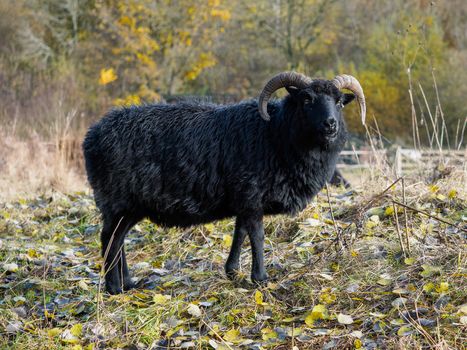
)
(339, 276)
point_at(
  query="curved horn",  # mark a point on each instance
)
(349, 82)
(275, 83)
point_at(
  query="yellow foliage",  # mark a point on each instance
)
(222, 14)
(107, 76)
(205, 60)
(128, 100)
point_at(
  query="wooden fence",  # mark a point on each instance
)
(403, 160)
(409, 160)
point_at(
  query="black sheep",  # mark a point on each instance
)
(187, 164)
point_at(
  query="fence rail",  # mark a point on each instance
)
(404, 160)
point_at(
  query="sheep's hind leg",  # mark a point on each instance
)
(125, 273)
(117, 277)
(232, 266)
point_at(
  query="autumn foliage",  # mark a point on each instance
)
(103, 53)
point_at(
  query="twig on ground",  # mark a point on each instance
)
(396, 217)
(406, 218)
(216, 334)
(429, 215)
(338, 235)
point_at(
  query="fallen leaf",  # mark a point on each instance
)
(404, 330)
(227, 241)
(442, 287)
(160, 299)
(76, 330)
(11, 267)
(318, 312)
(259, 298)
(344, 319)
(194, 310)
(232, 335)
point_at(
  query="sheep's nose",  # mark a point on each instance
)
(330, 123)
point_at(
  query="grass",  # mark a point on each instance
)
(350, 288)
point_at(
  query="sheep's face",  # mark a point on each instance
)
(319, 109)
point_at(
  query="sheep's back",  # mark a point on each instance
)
(166, 161)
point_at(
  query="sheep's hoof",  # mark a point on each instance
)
(232, 271)
(113, 289)
(129, 284)
(260, 279)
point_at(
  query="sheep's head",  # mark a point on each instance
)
(320, 102)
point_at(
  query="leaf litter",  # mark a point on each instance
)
(363, 294)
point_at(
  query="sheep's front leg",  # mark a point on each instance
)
(252, 225)
(256, 234)
(232, 266)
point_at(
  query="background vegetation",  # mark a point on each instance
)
(84, 56)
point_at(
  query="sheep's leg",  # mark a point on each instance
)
(115, 266)
(125, 273)
(256, 234)
(232, 266)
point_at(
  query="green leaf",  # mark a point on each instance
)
(404, 330)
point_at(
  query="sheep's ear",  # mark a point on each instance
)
(348, 98)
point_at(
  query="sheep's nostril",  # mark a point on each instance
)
(330, 124)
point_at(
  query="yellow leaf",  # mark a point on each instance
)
(357, 343)
(259, 298)
(107, 76)
(389, 211)
(209, 227)
(428, 288)
(76, 330)
(335, 266)
(32, 253)
(319, 312)
(160, 299)
(327, 297)
(54, 332)
(442, 287)
(452, 194)
(227, 241)
(232, 335)
(268, 333)
(409, 261)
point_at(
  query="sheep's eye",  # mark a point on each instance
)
(340, 104)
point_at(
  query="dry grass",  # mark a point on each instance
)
(35, 166)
